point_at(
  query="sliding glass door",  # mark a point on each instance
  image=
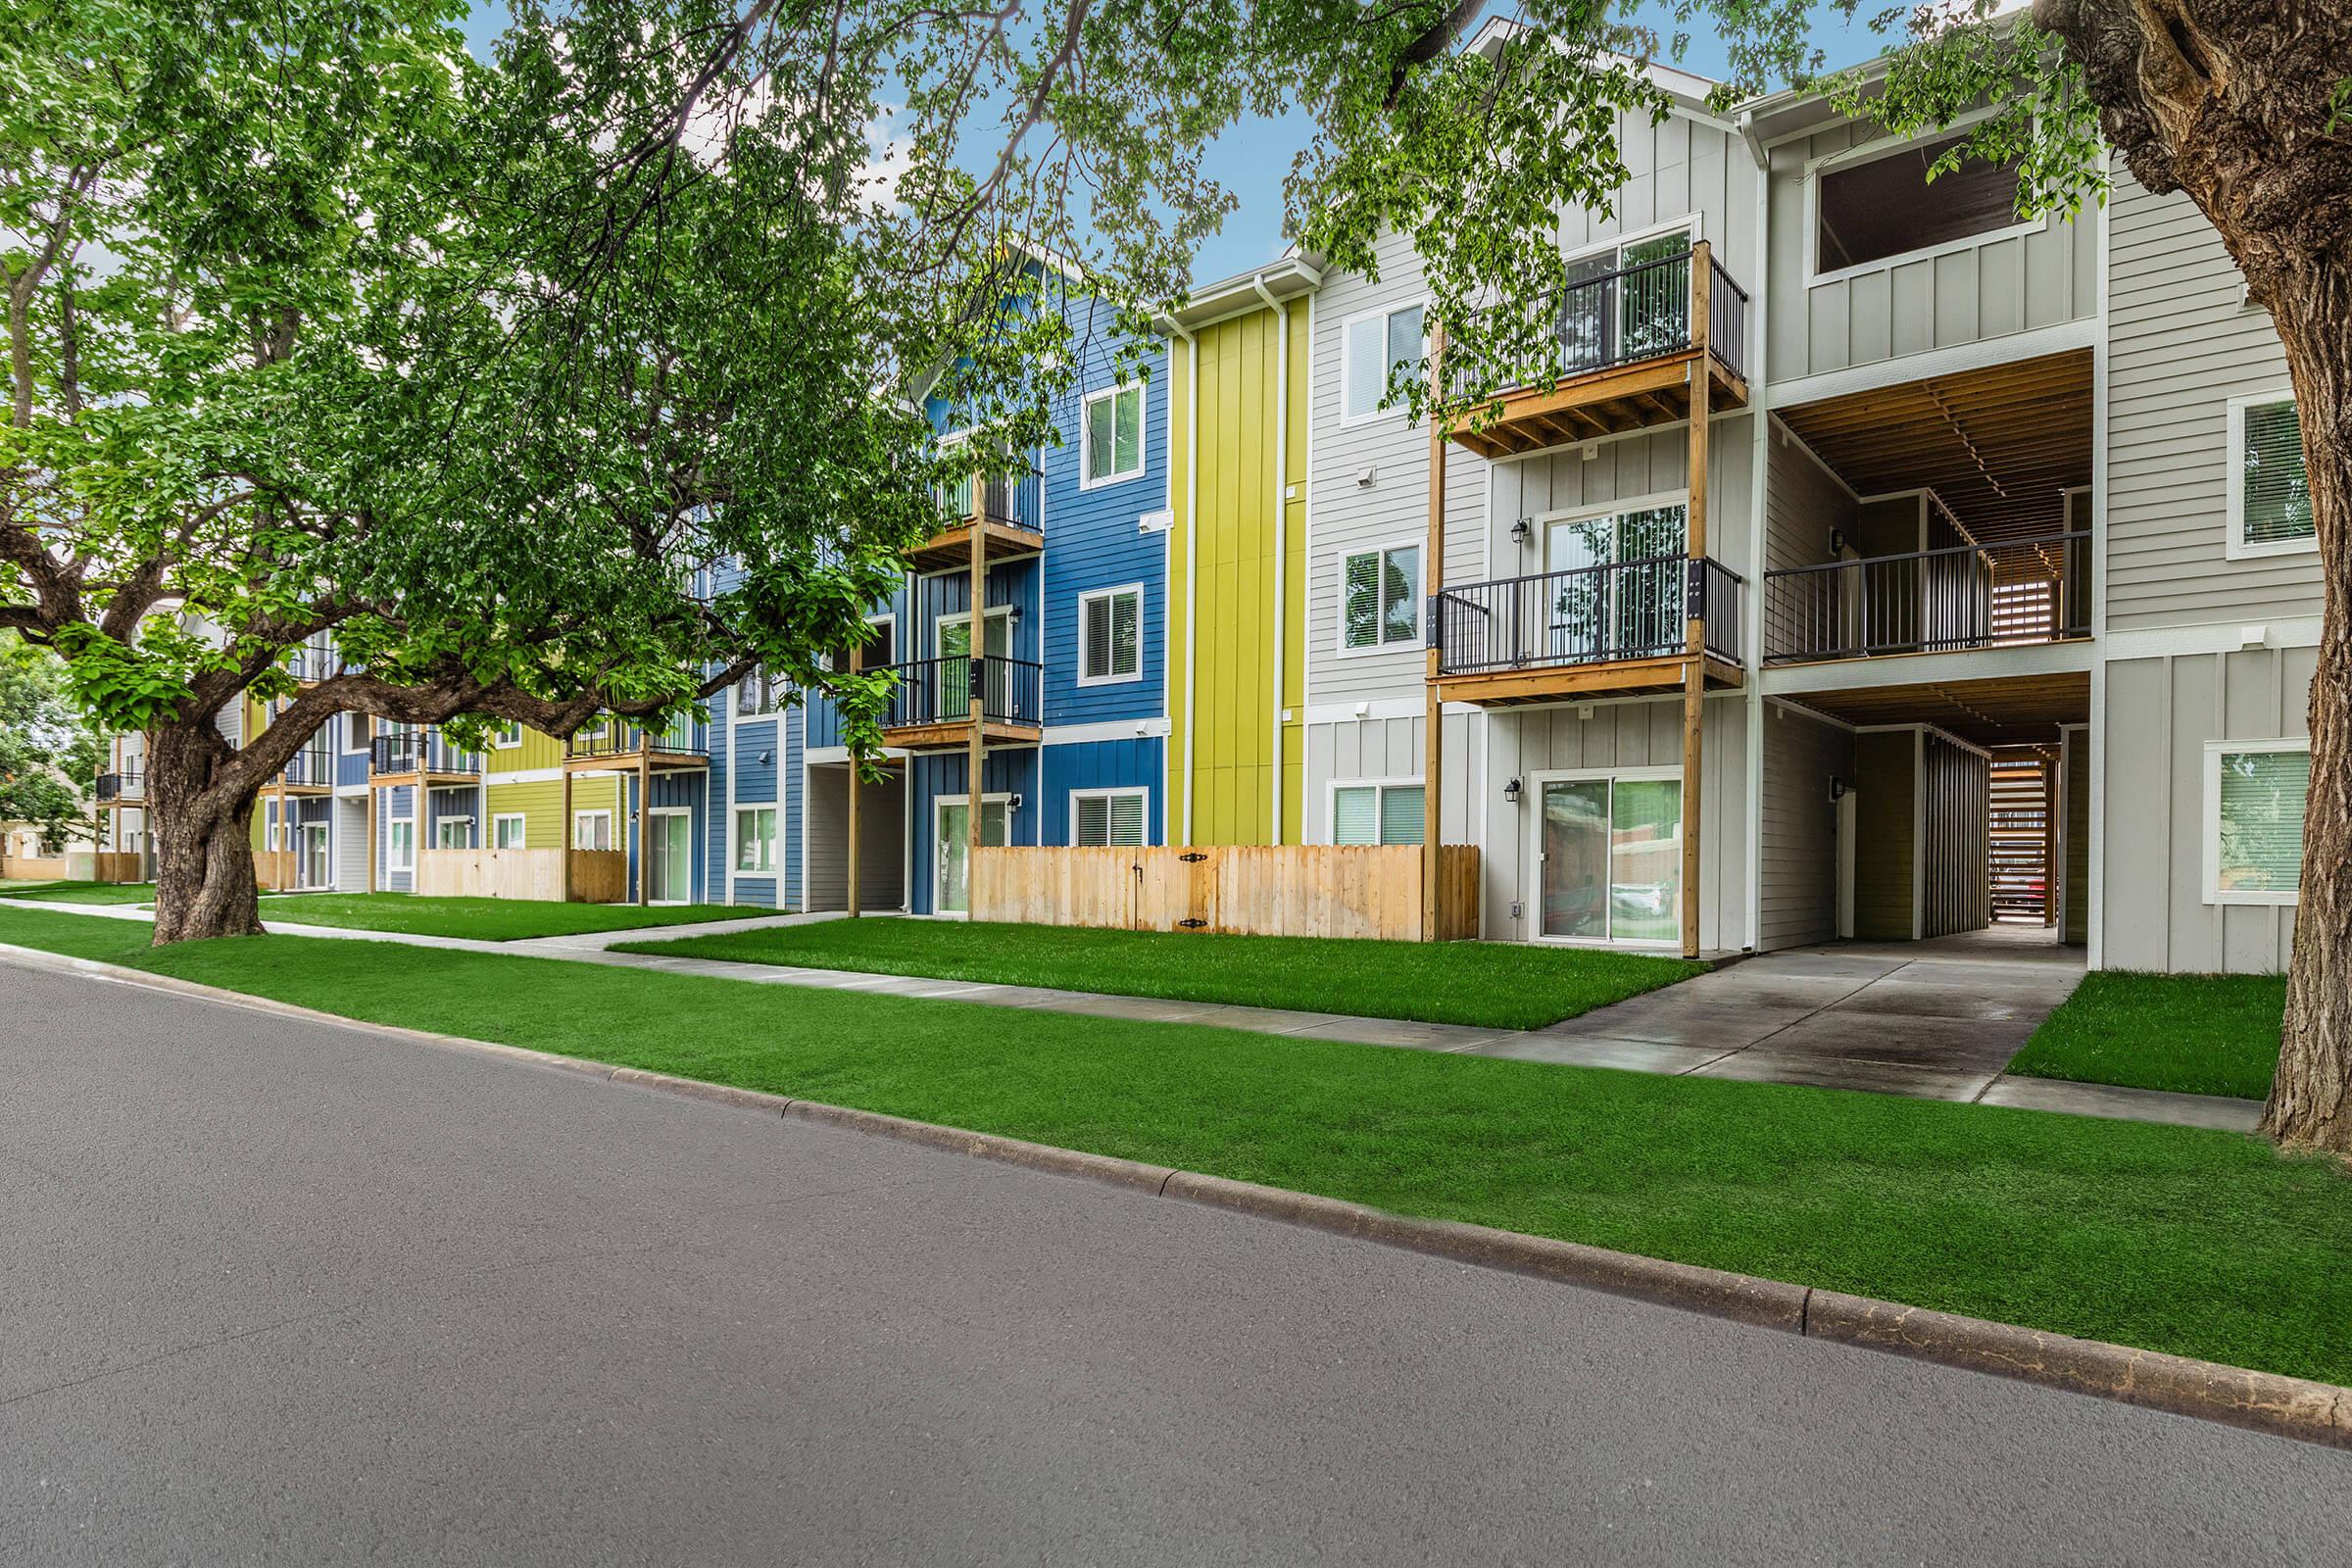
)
(1609, 860)
(1617, 589)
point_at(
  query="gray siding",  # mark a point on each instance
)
(2001, 284)
(1799, 832)
(2159, 714)
(1562, 479)
(1524, 742)
(2181, 343)
(1886, 842)
(1680, 167)
(1390, 749)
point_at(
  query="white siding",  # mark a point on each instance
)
(2183, 342)
(2159, 714)
(2005, 284)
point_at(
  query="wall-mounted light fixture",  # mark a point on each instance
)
(1836, 541)
(1510, 792)
(1522, 530)
(1837, 789)
(1014, 804)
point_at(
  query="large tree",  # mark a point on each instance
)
(49, 755)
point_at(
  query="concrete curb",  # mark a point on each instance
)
(2259, 1402)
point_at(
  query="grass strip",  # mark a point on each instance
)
(2196, 1033)
(2202, 1244)
(482, 919)
(82, 891)
(1496, 985)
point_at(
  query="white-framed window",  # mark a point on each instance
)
(507, 830)
(592, 830)
(507, 737)
(401, 837)
(756, 692)
(1108, 817)
(1379, 811)
(756, 840)
(1379, 598)
(1873, 204)
(1110, 635)
(1110, 435)
(2254, 798)
(2270, 492)
(1370, 346)
(452, 833)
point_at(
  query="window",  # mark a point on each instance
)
(1882, 206)
(1371, 347)
(1112, 435)
(452, 833)
(592, 830)
(756, 840)
(1107, 816)
(506, 831)
(2269, 493)
(1379, 598)
(1110, 636)
(509, 737)
(1376, 814)
(756, 692)
(403, 852)
(2254, 795)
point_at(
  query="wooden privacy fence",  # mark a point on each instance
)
(1290, 890)
(598, 876)
(109, 865)
(26, 869)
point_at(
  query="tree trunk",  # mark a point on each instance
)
(204, 879)
(2311, 1097)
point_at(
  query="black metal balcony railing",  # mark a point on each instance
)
(1637, 313)
(1609, 613)
(1009, 501)
(420, 754)
(1931, 600)
(313, 660)
(312, 766)
(941, 691)
(628, 740)
(126, 785)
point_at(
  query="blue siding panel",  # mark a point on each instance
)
(1102, 765)
(1007, 771)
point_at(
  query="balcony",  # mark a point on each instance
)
(420, 758)
(127, 788)
(1617, 629)
(314, 660)
(1626, 349)
(309, 771)
(2005, 594)
(932, 706)
(685, 745)
(1005, 510)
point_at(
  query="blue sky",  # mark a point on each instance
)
(1253, 157)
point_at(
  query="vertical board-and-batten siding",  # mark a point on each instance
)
(1563, 479)
(1232, 566)
(2161, 711)
(2006, 282)
(2183, 342)
(1798, 831)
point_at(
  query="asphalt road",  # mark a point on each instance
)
(277, 1291)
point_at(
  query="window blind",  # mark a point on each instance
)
(2261, 804)
(1355, 814)
(2278, 490)
(1400, 808)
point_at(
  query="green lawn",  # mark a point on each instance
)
(1501, 986)
(484, 920)
(2200, 1034)
(84, 892)
(2163, 1237)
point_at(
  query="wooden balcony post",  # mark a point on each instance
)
(1695, 663)
(645, 815)
(857, 663)
(1433, 701)
(976, 683)
(567, 836)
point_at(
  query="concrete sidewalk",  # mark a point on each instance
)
(1739, 1021)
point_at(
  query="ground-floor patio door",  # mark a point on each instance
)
(314, 868)
(952, 884)
(1609, 857)
(670, 854)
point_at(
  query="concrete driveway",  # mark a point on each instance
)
(1938, 1019)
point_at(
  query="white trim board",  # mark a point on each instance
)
(2031, 344)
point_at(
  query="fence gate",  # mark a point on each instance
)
(2023, 842)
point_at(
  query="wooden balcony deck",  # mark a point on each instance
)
(951, 548)
(1605, 403)
(954, 735)
(1556, 683)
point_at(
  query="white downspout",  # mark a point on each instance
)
(1192, 550)
(1281, 518)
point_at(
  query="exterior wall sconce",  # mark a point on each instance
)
(1837, 543)
(1014, 804)
(1521, 530)
(1510, 792)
